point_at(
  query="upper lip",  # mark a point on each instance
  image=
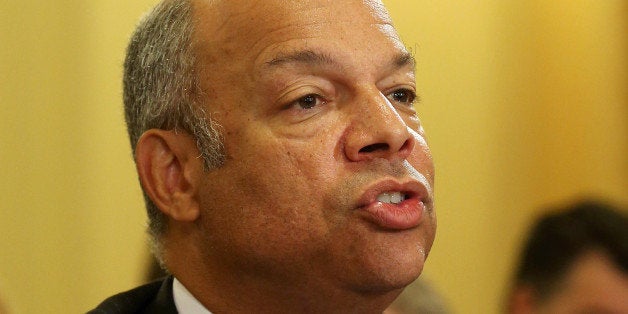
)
(411, 188)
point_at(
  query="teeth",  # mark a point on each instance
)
(391, 198)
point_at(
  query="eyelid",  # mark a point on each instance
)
(320, 100)
(304, 87)
(290, 99)
(409, 89)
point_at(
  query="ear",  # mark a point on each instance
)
(170, 172)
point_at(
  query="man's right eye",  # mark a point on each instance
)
(308, 102)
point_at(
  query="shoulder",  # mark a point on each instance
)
(155, 297)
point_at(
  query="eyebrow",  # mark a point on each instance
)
(302, 56)
(403, 59)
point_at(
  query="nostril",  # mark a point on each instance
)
(374, 147)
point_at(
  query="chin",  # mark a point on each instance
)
(392, 277)
(404, 279)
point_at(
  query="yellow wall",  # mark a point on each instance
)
(72, 216)
(525, 104)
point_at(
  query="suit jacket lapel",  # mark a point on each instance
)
(164, 300)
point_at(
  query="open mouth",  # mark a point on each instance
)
(394, 205)
(392, 197)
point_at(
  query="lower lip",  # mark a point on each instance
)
(404, 215)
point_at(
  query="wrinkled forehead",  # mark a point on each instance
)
(249, 12)
(246, 22)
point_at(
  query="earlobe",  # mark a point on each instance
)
(169, 172)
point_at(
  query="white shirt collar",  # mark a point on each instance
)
(185, 302)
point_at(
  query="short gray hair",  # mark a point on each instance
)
(161, 91)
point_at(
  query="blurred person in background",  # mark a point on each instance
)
(575, 260)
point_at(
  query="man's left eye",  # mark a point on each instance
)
(308, 101)
(402, 96)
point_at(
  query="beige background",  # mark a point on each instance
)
(525, 104)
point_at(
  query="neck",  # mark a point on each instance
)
(224, 285)
(246, 296)
(235, 292)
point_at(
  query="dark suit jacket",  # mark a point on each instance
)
(152, 298)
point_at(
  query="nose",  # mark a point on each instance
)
(377, 131)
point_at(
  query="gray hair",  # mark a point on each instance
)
(161, 91)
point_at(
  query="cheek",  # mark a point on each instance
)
(285, 184)
(429, 232)
(421, 157)
(274, 212)
(282, 177)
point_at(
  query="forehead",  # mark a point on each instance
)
(252, 28)
(234, 15)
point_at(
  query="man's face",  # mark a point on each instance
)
(328, 180)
